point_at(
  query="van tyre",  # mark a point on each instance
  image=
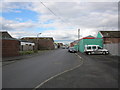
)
(108, 53)
(89, 53)
(104, 53)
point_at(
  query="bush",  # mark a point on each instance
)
(26, 52)
(35, 51)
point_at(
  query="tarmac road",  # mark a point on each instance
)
(97, 71)
(30, 72)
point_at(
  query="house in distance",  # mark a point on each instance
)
(41, 43)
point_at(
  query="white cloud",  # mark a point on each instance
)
(21, 33)
(61, 0)
(14, 6)
(81, 14)
(15, 25)
(89, 17)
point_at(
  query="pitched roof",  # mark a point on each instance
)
(89, 37)
(6, 35)
(110, 34)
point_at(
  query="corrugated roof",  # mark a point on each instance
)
(110, 34)
(25, 41)
(36, 37)
(24, 38)
(88, 37)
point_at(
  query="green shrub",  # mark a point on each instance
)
(35, 51)
(26, 52)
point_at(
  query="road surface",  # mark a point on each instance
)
(30, 72)
(97, 71)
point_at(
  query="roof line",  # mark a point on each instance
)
(100, 33)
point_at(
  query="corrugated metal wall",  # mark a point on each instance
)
(84, 42)
(114, 48)
(76, 47)
(26, 48)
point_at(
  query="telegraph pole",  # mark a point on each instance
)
(78, 34)
(78, 38)
(38, 41)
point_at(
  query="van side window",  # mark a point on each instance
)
(88, 47)
(99, 47)
(94, 47)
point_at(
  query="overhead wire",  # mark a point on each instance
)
(53, 13)
(48, 8)
(56, 14)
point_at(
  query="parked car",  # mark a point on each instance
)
(95, 49)
(63, 47)
(67, 47)
(72, 50)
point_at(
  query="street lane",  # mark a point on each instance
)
(97, 71)
(30, 72)
(106, 67)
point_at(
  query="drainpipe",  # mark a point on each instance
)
(37, 41)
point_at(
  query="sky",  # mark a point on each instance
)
(60, 20)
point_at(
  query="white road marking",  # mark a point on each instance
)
(60, 73)
(78, 55)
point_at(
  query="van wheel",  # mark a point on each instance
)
(104, 53)
(89, 53)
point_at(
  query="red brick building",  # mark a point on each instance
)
(10, 45)
(41, 43)
(74, 43)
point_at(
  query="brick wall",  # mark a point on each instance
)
(111, 40)
(10, 48)
(45, 44)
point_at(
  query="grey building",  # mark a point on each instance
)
(27, 46)
(111, 41)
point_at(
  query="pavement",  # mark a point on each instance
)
(23, 56)
(9, 60)
(97, 71)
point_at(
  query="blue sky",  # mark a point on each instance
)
(23, 14)
(30, 18)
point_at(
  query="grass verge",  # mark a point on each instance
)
(26, 52)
